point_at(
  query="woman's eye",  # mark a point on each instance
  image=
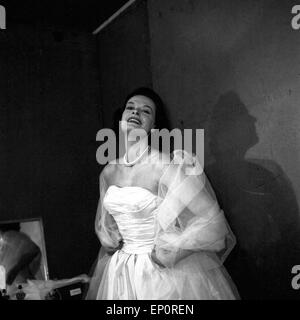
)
(129, 107)
(147, 111)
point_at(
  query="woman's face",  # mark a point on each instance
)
(139, 113)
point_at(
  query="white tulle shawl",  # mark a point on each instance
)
(188, 217)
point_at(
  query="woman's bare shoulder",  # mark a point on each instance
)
(110, 170)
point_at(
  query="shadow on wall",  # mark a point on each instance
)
(259, 203)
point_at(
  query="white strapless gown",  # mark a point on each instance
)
(130, 272)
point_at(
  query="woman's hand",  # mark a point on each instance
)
(168, 258)
(111, 250)
(155, 259)
(164, 258)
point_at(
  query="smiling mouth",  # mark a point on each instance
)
(134, 120)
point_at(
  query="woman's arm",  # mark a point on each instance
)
(111, 250)
(166, 258)
(105, 225)
(189, 217)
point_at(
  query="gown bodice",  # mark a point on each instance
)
(133, 209)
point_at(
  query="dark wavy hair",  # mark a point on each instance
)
(161, 119)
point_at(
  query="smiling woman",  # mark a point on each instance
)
(140, 112)
(162, 232)
(152, 103)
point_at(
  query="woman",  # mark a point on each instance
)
(162, 232)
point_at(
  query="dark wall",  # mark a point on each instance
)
(124, 59)
(232, 68)
(49, 119)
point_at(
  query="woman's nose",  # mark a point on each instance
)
(135, 111)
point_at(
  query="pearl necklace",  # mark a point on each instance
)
(127, 163)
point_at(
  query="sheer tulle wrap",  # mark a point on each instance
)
(189, 216)
(190, 229)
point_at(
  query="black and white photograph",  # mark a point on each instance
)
(150, 151)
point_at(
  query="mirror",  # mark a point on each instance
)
(22, 252)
